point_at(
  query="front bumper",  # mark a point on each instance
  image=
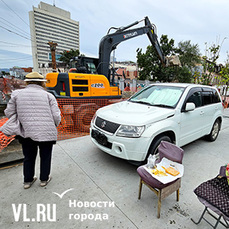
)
(126, 148)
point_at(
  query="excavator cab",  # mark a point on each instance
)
(83, 64)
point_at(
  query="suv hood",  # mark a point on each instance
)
(129, 113)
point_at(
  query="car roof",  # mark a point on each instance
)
(183, 85)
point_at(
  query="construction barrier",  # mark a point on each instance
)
(7, 85)
(76, 115)
(4, 140)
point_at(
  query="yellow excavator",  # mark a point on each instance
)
(93, 78)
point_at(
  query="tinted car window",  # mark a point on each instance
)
(207, 97)
(195, 98)
(216, 98)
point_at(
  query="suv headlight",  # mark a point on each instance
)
(130, 131)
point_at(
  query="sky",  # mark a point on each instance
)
(203, 22)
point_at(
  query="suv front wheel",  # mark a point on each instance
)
(156, 142)
(214, 132)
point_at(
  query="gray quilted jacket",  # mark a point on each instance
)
(38, 112)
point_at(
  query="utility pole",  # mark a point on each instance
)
(53, 54)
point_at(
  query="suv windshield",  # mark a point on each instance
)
(159, 95)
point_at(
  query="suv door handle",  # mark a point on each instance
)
(202, 112)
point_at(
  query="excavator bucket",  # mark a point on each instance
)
(173, 61)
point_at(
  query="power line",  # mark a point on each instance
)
(33, 37)
(21, 33)
(15, 27)
(15, 13)
(15, 44)
(15, 33)
(14, 30)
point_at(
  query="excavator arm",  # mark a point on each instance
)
(111, 41)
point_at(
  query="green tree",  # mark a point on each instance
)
(5, 73)
(189, 54)
(223, 78)
(183, 75)
(66, 55)
(209, 63)
(151, 68)
(149, 64)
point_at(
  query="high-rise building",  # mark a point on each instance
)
(51, 24)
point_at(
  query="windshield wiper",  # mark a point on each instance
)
(142, 102)
(162, 105)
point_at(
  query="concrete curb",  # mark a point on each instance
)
(11, 153)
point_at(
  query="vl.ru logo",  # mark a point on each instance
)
(43, 213)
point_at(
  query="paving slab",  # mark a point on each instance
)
(101, 191)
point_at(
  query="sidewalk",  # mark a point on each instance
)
(226, 113)
(101, 191)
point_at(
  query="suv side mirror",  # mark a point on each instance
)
(190, 107)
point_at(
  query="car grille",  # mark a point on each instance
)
(105, 125)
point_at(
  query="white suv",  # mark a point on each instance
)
(178, 113)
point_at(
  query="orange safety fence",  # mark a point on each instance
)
(4, 140)
(76, 115)
(9, 84)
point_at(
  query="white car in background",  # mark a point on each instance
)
(178, 113)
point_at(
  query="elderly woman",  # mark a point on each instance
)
(38, 115)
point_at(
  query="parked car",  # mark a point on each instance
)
(177, 113)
